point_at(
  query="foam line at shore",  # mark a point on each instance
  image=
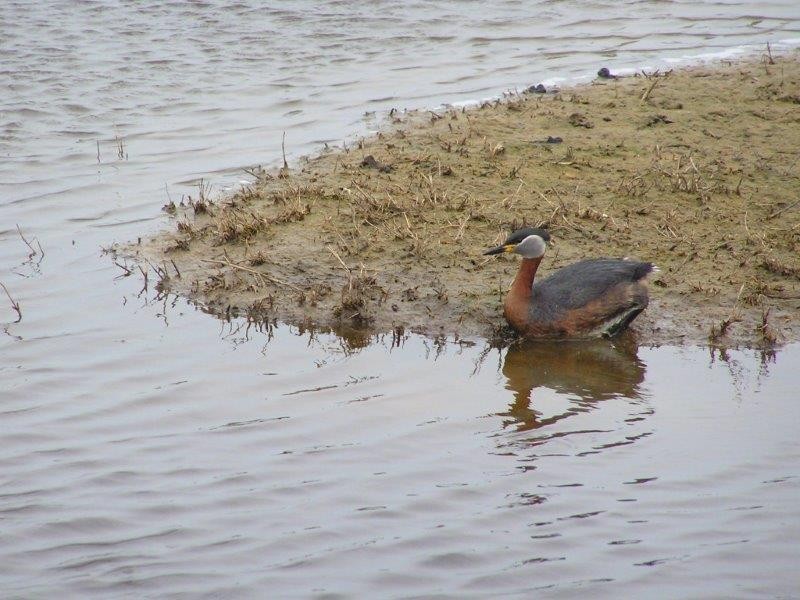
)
(733, 53)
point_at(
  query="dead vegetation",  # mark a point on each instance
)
(694, 170)
(678, 172)
(14, 304)
(35, 250)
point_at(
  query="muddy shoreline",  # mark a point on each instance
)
(695, 170)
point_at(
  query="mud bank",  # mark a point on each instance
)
(695, 170)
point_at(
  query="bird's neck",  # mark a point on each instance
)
(518, 301)
(523, 282)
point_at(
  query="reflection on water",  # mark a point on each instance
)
(587, 372)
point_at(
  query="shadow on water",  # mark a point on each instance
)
(589, 371)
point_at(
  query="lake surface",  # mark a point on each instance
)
(150, 450)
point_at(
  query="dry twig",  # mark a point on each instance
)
(14, 303)
(33, 251)
(651, 87)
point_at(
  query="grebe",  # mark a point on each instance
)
(590, 298)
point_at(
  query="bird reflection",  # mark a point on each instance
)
(588, 370)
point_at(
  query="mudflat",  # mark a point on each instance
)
(696, 170)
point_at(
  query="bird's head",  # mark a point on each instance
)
(528, 242)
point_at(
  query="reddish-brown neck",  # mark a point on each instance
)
(523, 282)
(518, 302)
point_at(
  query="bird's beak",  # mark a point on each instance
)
(500, 249)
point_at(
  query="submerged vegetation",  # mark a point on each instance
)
(694, 170)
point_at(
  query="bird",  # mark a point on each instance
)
(597, 297)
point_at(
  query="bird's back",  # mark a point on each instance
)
(584, 284)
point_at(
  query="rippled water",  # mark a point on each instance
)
(147, 449)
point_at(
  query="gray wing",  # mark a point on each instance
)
(576, 285)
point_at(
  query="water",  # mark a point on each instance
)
(150, 450)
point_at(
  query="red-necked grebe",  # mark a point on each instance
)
(590, 298)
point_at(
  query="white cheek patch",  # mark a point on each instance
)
(532, 246)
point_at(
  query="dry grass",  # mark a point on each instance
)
(234, 225)
(14, 304)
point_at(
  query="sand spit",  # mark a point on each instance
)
(696, 170)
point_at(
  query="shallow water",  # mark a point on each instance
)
(305, 466)
(147, 449)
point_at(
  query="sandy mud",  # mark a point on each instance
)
(694, 170)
